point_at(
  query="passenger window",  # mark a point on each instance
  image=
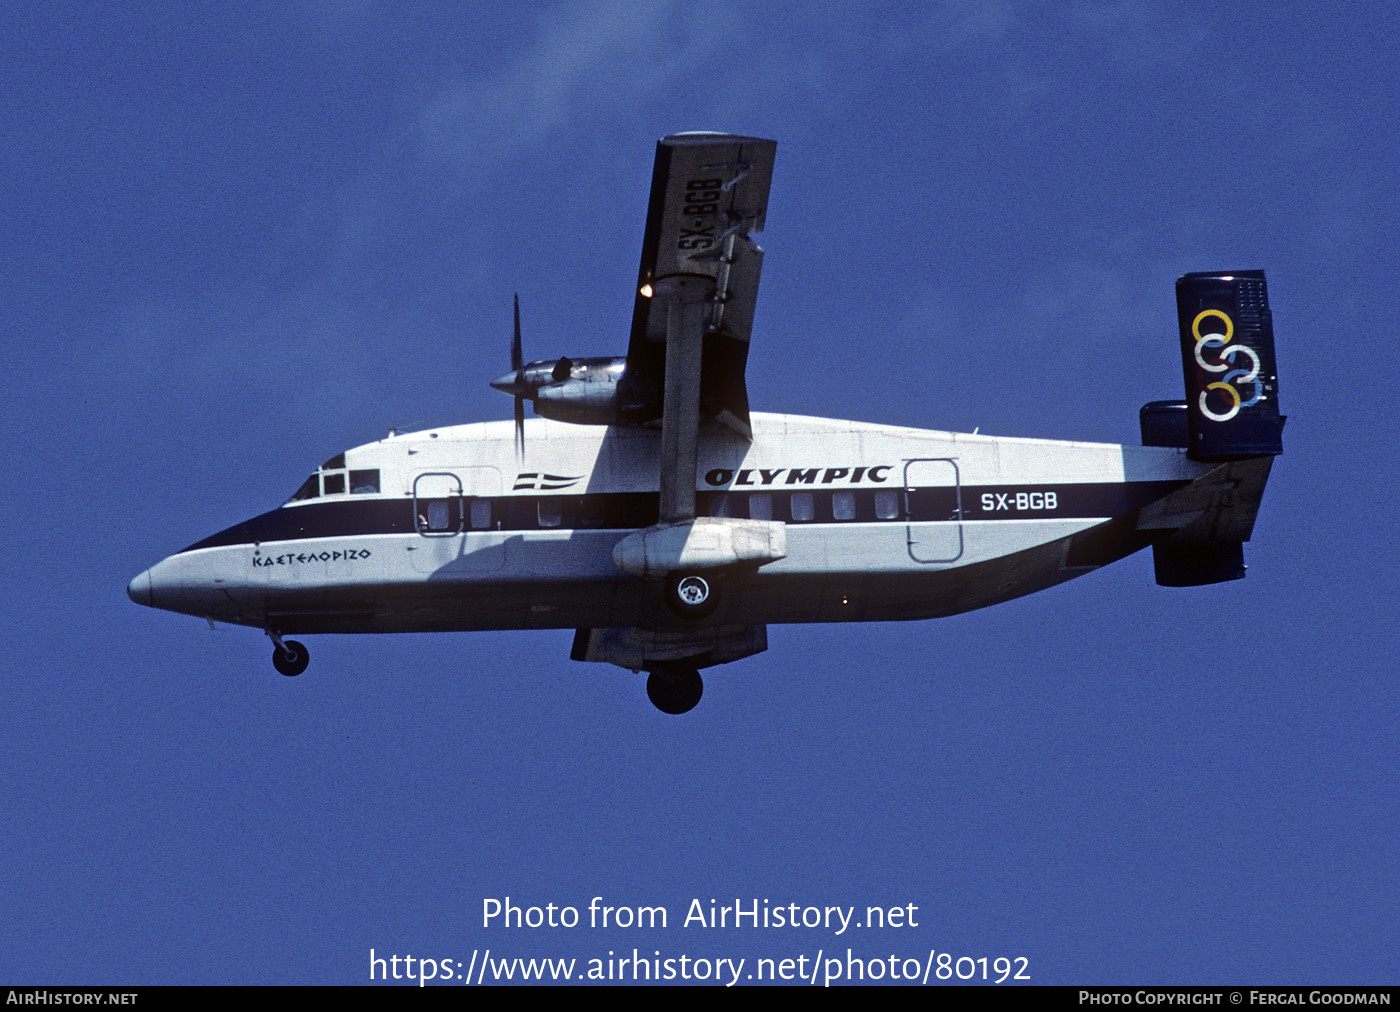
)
(549, 513)
(719, 504)
(436, 517)
(590, 512)
(843, 505)
(760, 506)
(887, 505)
(803, 507)
(364, 482)
(333, 484)
(481, 514)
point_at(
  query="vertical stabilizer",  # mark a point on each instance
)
(1227, 351)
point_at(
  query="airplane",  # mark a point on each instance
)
(650, 511)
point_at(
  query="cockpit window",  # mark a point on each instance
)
(310, 489)
(328, 481)
(364, 482)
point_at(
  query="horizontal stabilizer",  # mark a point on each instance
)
(1197, 565)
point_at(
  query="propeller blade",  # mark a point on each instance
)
(517, 365)
(517, 357)
(561, 370)
(520, 427)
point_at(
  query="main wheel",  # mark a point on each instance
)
(291, 661)
(674, 689)
(691, 595)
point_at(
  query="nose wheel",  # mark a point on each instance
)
(288, 656)
(675, 688)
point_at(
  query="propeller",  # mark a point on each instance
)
(516, 384)
(520, 386)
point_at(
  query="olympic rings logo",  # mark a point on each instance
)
(1227, 357)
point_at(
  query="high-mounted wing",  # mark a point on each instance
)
(696, 291)
(708, 192)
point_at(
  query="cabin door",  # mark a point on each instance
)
(452, 509)
(437, 504)
(933, 510)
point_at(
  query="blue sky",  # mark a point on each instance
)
(237, 242)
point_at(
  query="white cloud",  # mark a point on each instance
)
(584, 56)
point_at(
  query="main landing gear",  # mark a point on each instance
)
(288, 656)
(691, 595)
(674, 688)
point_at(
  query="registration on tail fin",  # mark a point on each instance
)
(1227, 351)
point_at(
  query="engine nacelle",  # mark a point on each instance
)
(582, 390)
(588, 396)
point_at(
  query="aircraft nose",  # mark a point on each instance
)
(139, 589)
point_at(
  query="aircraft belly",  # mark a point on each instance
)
(884, 548)
(463, 606)
(911, 592)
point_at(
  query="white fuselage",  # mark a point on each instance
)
(448, 529)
